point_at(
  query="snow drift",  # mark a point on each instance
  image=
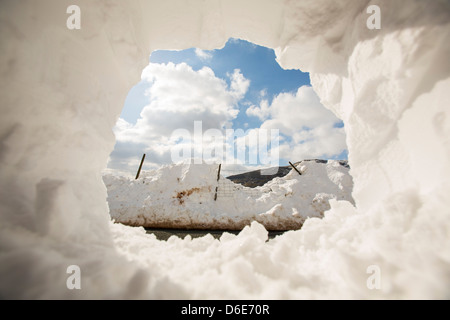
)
(62, 91)
(185, 196)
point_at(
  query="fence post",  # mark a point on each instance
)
(295, 168)
(218, 178)
(140, 167)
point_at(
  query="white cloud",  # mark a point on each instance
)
(178, 96)
(263, 93)
(239, 84)
(301, 116)
(203, 55)
(262, 112)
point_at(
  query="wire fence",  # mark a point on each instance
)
(228, 189)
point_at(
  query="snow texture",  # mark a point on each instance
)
(184, 196)
(62, 92)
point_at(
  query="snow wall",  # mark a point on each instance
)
(62, 91)
(189, 196)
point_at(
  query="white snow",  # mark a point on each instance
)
(62, 91)
(183, 196)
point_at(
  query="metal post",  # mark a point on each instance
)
(140, 167)
(218, 178)
(218, 172)
(295, 168)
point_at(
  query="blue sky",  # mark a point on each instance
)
(259, 94)
(255, 62)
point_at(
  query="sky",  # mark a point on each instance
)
(234, 106)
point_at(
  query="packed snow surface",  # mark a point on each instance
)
(185, 196)
(62, 92)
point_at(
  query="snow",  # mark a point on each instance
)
(182, 196)
(62, 91)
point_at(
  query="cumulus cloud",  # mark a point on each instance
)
(262, 112)
(203, 55)
(178, 97)
(239, 84)
(313, 130)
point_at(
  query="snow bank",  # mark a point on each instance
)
(183, 196)
(62, 91)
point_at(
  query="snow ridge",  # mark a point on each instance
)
(182, 196)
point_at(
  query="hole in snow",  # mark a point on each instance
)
(59, 90)
(195, 109)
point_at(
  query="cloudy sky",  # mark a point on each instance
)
(232, 106)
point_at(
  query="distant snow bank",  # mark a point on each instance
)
(182, 196)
